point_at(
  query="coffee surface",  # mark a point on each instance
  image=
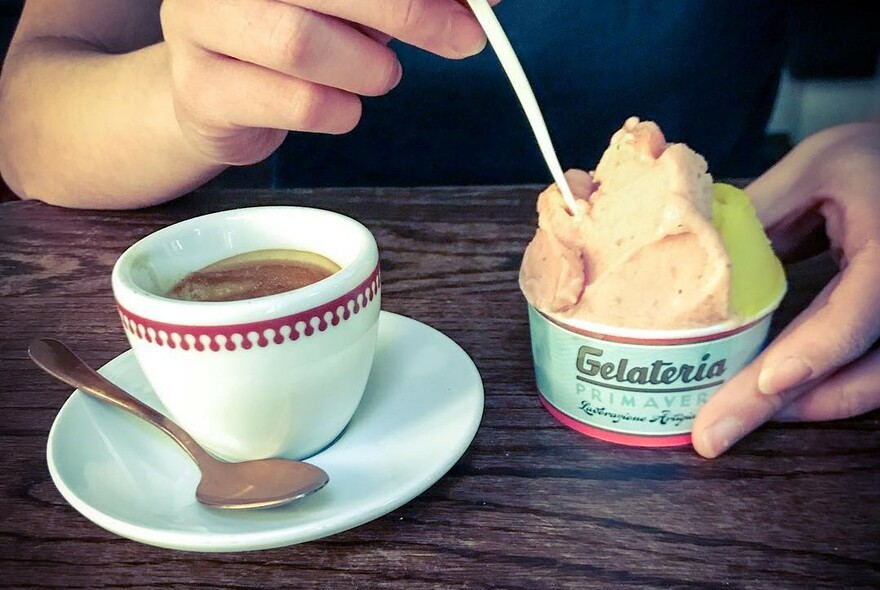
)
(253, 274)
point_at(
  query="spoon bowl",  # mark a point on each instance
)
(250, 484)
(258, 484)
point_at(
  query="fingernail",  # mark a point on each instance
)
(467, 36)
(722, 435)
(398, 75)
(787, 373)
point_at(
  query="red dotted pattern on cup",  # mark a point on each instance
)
(259, 334)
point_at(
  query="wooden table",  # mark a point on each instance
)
(531, 504)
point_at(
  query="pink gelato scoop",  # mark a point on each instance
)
(640, 251)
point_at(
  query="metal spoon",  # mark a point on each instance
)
(250, 484)
(512, 67)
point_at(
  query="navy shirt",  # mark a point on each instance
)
(706, 71)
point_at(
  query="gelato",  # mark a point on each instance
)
(653, 243)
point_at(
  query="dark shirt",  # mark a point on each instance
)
(706, 71)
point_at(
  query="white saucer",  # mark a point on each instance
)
(420, 411)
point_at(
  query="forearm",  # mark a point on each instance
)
(82, 128)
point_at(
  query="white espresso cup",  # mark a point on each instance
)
(273, 376)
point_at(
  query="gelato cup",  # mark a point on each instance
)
(649, 294)
(637, 387)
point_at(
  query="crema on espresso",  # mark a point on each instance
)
(253, 274)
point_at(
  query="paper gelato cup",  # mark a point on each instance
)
(637, 387)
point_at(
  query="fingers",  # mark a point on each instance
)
(837, 162)
(235, 94)
(231, 123)
(373, 34)
(443, 27)
(811, 371)
(734, 411)
(853, 391)
(839, 326)
(295, 41)
(246, 71)
(739, 407)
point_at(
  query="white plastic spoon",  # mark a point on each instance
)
(506, 55)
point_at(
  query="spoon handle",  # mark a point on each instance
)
(513, 68)
(62, 363)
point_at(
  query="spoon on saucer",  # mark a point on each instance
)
(512, 67)
(250, 484)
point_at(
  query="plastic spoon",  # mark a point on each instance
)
(512, 67)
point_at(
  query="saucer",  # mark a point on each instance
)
(421, 409)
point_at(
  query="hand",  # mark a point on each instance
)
(821, 367)
(244, 72)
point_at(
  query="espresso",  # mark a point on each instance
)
(253, 274)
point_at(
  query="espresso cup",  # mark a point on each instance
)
(273, 376)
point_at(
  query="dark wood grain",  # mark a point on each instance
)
(530, 505)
